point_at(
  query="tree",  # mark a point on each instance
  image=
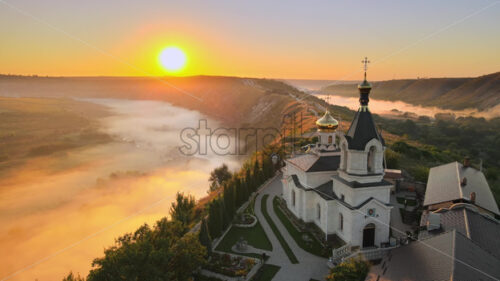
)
(160, 253)
(239, 196)
(257, 175)
(229, 203)
(350, 270)
(219, 176)
(249, 180)
(244, 191)
(267, 167)
(226, 219)
(189, 254)
(204, 236)
(392, 159)
(73, 277)
(214, 219)
(182, 210)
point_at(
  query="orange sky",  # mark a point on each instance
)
(326, 40)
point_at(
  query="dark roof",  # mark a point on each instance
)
(362, 130)
(315, 163)
(297, 182)
(355, 184)
(448, 256)
(326, 191)
(481, 229)
(325, 163)
(445, 183)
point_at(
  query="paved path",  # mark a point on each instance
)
(309, 266)
(398, 227)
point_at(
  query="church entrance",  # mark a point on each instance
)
(369, 235)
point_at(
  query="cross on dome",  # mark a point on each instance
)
(365, 66)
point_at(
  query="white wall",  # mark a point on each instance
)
(357, 160)
(361, 219)
(315, 179)
(345, 233)
(354, 220)
(341, 189)
(381, 193)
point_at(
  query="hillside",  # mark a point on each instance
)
(229, 99)
(262, 104)
(481, 92)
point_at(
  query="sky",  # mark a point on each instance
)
(272, 39)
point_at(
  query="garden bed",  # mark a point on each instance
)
(232, 266)
(255, 237)
(304, 239)
(245, 221)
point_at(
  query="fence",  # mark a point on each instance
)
(370, 254)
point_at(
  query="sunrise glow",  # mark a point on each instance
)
(172, 59)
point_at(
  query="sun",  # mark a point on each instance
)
(172, 59)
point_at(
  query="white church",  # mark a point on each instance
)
(338, 184)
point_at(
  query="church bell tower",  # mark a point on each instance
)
(362, 148)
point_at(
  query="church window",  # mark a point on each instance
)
(318, 211)
(342, 197)
(330, 139)
(293, 197)
(371, 160)
(341, 222)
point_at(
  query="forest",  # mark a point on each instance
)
(426, 143)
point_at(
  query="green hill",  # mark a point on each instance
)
(481, 92)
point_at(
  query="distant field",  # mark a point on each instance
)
(32, 127)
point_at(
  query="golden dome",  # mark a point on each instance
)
(327, 123)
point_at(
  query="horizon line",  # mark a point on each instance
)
(226, 76)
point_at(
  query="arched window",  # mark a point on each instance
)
(293, 197)
(341, 222)
(330, 139)
(344, 157)
(371, 160)
(318, 211)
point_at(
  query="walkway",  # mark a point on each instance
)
(398, 227)
(309, 266)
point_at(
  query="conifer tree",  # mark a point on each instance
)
(239, 196)
(256, 173)
(226, 219)
(245, 192)
(249, 179)
(204, 236)
(265, 168)
(229, 199)
(214, 219)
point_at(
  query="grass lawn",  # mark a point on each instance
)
(266, 272)
(313, 247)
(410, 202)
(288, 251)
(255, 236)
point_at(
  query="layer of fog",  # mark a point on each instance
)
(397, 108)
(54, 202)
